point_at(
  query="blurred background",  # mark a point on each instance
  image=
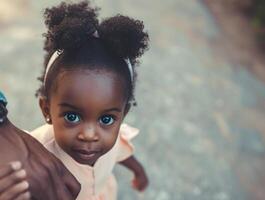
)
(200, 92)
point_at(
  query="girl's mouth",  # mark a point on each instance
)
(84, 154)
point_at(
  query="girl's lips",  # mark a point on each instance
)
(85, 154)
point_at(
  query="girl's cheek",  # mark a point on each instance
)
(65, 142)
(110, 141)
(64, 135)
(69, 135)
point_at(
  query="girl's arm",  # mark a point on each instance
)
(12, 182)
(140, 181)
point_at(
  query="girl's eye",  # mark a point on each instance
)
(106, 120)
(72, 117)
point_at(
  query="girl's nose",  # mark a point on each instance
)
(89, 134)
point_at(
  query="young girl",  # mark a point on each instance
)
(86, 91)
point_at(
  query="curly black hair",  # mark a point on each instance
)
(71, 30)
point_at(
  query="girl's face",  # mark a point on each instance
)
(86, 110)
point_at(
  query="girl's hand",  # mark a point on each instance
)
(140, 181)
(12, 182)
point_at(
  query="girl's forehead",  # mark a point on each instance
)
(91, 84)
(73, 73)
(88, 77)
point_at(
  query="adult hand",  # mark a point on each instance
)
(13, 185)
(47, 177)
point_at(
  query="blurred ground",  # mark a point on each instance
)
(200, 109)
(239, 41)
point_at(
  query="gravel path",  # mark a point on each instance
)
(201, 116)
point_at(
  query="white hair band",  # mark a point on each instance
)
(57, 53)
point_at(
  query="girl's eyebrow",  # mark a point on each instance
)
(113, 109)
(75, 108)
(68, 105)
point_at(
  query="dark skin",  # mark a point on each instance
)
(86, 109)
(41, 166)
(12, 182)
(104, 99)
(140, 181)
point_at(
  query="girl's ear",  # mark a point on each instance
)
(45, 108)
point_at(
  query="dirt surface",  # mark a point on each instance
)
(200, 112)
(239, 39)
(239, 43)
